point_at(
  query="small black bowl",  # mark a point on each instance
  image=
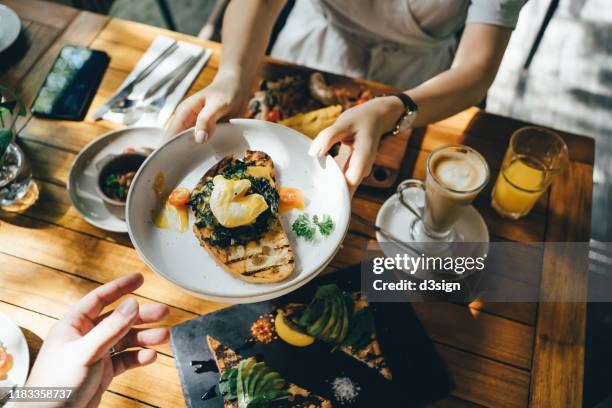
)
(121, 163)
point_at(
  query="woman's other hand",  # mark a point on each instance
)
(359, 130)
(76, 351)
(222, 98)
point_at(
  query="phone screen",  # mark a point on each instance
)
(70, 84)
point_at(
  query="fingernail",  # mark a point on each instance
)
(200, 136)
(128, 308)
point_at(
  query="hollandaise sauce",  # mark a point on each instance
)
(159, 185)
(171, 218)
(170, 212)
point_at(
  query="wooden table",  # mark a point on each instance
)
(498, 354)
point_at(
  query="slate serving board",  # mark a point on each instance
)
(419, 375)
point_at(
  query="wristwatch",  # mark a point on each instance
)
(409, 115)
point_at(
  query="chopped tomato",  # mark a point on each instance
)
(273, 115)
(179, 197)
(360, 101)
(3, 357)
(290, 197)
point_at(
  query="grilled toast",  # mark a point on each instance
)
(226, 358)
(264, 260)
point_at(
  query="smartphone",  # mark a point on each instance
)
(71, 84)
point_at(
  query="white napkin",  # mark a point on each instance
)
(179, 56)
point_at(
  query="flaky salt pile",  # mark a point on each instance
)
(345, 391)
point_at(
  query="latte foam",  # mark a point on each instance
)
(459, 172)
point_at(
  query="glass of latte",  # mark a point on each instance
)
(455, 176)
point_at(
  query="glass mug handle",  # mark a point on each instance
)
(404, 185)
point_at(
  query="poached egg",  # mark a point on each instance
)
(230, 204)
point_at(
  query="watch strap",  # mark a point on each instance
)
(410, 110)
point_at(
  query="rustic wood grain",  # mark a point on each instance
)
(62, 290)
(37, 37)
(559, 347)
(486, 382)
(43, 12)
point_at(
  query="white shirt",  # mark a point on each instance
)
(398, 42)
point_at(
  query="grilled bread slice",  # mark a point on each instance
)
(227, 358)
(370, 354)
(270, 259)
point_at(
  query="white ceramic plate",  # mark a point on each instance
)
(15, 344)
(82, 176)
(179, 258)
(10, 27)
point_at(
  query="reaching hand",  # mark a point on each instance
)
(223, 97)
(359, 129)
(76, 351)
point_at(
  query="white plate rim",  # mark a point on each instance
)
(15, 35)
(72, 174)
(240, 298)
(23, 342)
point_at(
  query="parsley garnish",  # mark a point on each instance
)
(306, 228)
(326, 225)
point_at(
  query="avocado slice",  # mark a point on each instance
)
(314, 311)
(241, 387)
(349, 306)
(269, 388)
(315, 328)
(328, 330)
(335, 336)
(255, 374)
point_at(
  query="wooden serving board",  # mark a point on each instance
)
(419, 375)
(392, 148)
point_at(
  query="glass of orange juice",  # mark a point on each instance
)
(534, 157)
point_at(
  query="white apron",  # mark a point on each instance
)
(321, 34)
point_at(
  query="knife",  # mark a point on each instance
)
(179, 72)
(127, 89)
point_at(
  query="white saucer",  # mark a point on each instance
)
(82, 176)
(395, 219)
(15, 344)
(10, 27)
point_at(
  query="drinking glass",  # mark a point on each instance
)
(533, 159)
(444, 204)
(17, 190)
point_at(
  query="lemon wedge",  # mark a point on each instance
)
(289, 335)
